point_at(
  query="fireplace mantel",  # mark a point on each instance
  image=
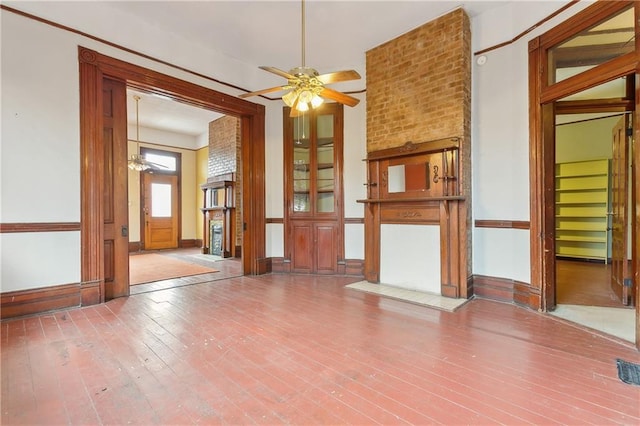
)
(418, 184)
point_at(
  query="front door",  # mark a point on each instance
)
(160, 211)
(620, 268)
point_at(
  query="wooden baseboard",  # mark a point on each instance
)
(38, 300)
(135, 246)
(506, 290)
(353, 267)
(189, 243)
(280, 266)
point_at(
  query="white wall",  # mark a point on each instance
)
(40, 157)
(410, 257)
(500, 134)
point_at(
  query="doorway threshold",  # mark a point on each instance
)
(618, 322)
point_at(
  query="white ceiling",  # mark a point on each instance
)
(260, 32)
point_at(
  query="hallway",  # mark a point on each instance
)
(279, 349)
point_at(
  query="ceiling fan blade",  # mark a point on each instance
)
(339, 97)
(263, 91)
(278, 72)
(335, 77)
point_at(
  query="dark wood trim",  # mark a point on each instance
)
(594, 106)
(504, 224)
(274, 220)
(505, 290)
(354, 267)
(33, 301)
(542, 98)
(90, 293)
(440, 204)
(188, 243)
(6, 228)
(91, 171)
(635, 177)
(415, 148)
(528, 30)
(279, 265)
(354, 221)
(135, 246)
(615, 68)
(93, 68)
(412, 200)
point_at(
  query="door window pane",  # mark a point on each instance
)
(160, 200)
(167, 162)
(602, 42)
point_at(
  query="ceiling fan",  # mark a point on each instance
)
(306, 86)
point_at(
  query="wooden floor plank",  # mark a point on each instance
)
(297, 349)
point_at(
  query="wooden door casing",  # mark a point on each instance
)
(160, 232)
(115, 213)
(93, 66)
(620, 270)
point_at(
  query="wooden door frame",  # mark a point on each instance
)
(93, 66)
(542, 152)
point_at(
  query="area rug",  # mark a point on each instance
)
(146, 268)
(628, 372)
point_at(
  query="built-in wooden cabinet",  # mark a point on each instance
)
(582, 203)
(313, 188)
(219, 227)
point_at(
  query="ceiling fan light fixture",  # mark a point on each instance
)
(290, 98)
(307, 84)
(316, 101)
(137, 163)
(302, 106)
(305, 96)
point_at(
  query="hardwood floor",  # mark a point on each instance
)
(227, 268)
(293, 349)
(585, 283)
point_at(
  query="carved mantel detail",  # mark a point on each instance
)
(418, 183)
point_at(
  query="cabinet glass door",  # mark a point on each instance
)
(301, 165)
(325, 164)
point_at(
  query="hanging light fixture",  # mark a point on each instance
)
(306, 88)
(137, 161)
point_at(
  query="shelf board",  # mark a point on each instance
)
(576, 216)
(579, 203)
(581, 175)
(592, 189)
(581, 239)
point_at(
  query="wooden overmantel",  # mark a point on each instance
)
(418, 183)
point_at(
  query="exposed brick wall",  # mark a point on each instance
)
(418, 85)
(225, 157)
(419, 89)
(222, 145)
